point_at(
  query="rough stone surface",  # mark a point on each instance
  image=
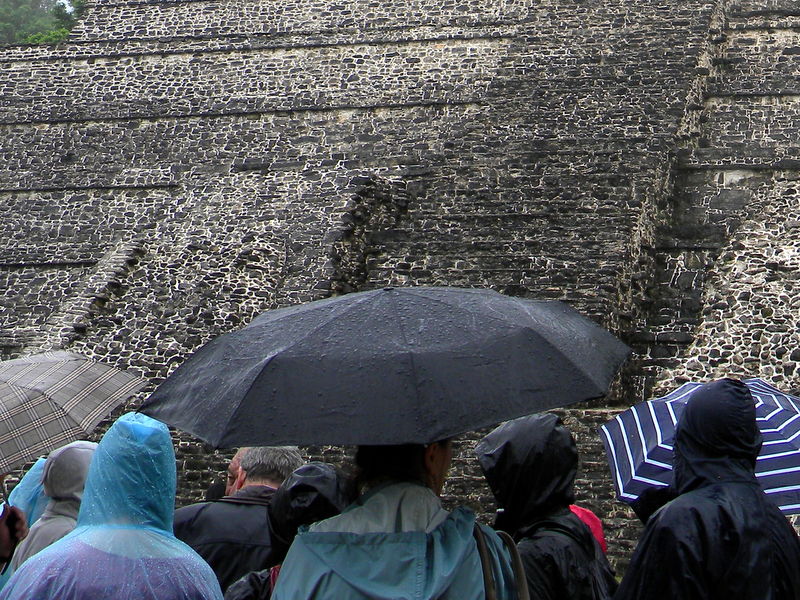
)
(179, 166)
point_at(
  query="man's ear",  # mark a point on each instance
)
(429, 457)
(240, 479)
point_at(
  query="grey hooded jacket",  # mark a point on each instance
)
(63, 478)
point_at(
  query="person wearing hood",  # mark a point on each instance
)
(28, 495)
(721, 537)
(530, 465)
(122, 547)
(313, 492)
(63, 477)
(28, 498)
(396, 541)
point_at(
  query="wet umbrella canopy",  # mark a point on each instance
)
(50, 399)
(390, 366)
(639, 443)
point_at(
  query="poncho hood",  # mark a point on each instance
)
(132, 476)
(65, 471)
(530, 464)
(405, 565)
(717, 438)
(28, 495)
(313, 492)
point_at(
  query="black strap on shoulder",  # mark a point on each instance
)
(489, 587)
(517, 566)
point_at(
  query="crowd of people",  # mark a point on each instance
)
(289, 530)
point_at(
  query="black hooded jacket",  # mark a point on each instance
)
(311, 493)
(530, 464)
(721, 538)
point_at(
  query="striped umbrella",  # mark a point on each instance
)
(639, 440)
(50, 399)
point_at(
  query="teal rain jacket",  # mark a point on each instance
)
(122, 546)
(410, 565)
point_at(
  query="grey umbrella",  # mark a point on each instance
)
(50, 399)
(390, 366)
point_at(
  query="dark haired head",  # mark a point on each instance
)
(403, 462)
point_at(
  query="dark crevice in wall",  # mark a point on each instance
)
(375, 208)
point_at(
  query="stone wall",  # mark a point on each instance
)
(179, 166)
(735, 225)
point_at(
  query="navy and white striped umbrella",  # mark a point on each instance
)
(639, 440)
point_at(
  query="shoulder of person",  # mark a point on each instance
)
(187, 514)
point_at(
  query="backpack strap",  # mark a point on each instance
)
(516, 564)
(489, 588)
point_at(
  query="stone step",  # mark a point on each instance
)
(741, 157)
(749, 9)
(118, 20)
(462, 258)
(450, 72)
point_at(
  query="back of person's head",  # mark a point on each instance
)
(269, 464)
(720, 420)
(313, 492)
(530, 464)
(716, 437)
(377, 464)
(65, 470)
(397, 463)
(214, 491)
(132, 476)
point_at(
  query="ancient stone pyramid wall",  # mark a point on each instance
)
(736, 220)
(179, 166)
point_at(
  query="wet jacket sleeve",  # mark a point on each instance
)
(668, 563)
(256, 585)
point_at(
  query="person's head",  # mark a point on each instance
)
(530, 464)
(313, 492)
(214, 491)
(65, 471)
(232, 474)
(132, 476)
(267, 465)
(717, 430)
(426, 464)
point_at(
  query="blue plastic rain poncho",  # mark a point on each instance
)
(122, 547)
(28, 495)
(406, 548)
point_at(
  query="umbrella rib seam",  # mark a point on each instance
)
(410, 356)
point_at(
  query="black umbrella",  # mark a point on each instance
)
(390, 366)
